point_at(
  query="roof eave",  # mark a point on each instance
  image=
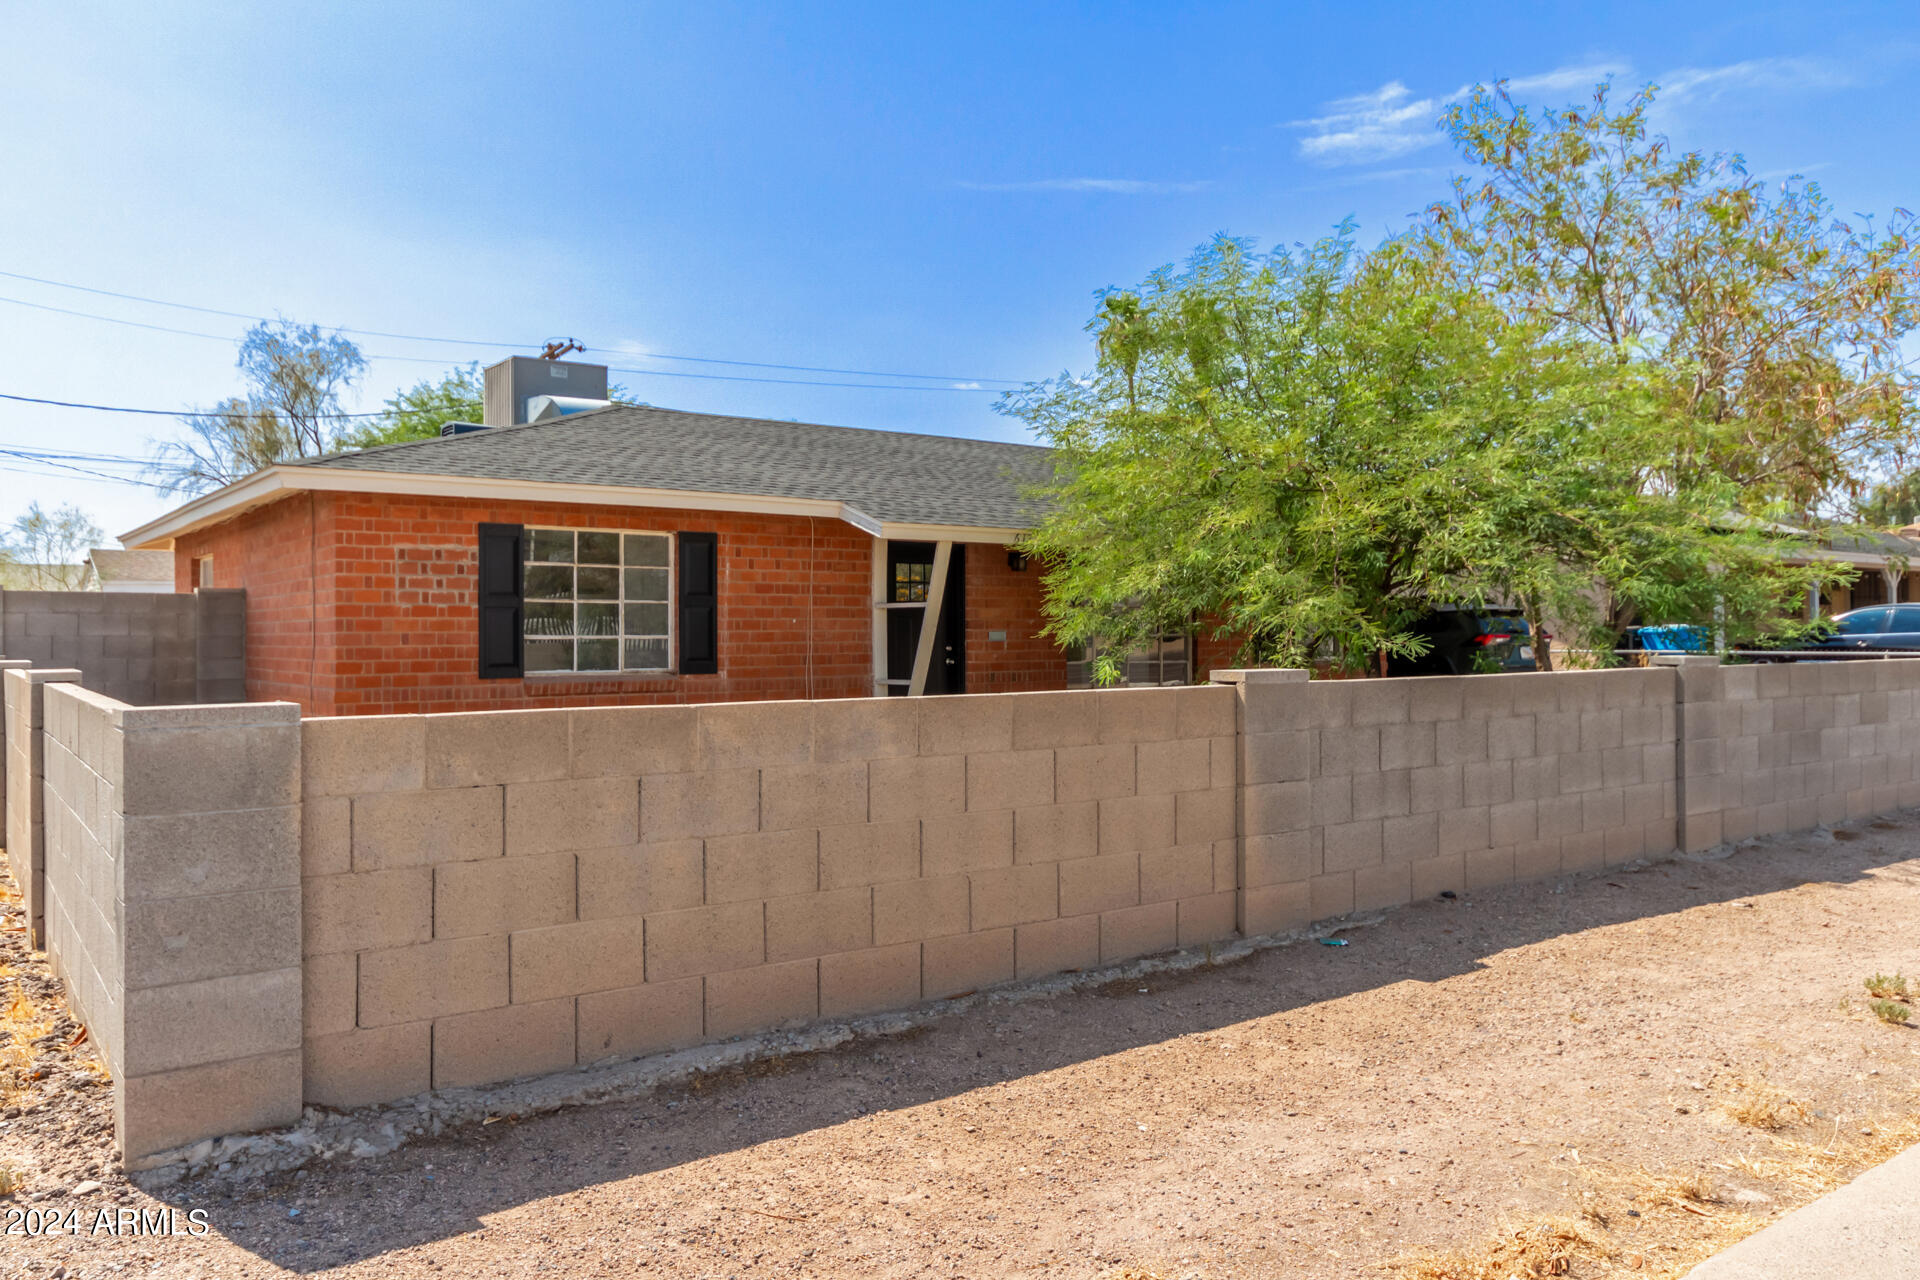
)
(276, 482)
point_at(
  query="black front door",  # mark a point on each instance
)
(910, 580)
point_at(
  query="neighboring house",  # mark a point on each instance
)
(16, 575)
(147, 571)
(573, 551)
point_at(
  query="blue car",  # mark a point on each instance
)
(1880, 626)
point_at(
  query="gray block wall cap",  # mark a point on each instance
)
(54, 675)
(1683, 659)
(1260, 675)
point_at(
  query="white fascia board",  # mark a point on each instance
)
(221, 504)
(267, 485)
(263, 487)
(951, 533)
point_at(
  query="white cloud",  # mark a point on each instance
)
(1381, 125)
(1109, 186)
(1704, 84)
(1392, 121)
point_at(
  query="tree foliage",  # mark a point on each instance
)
(1308, 449)
(1770, 329)
(48, 549)
(419, 412)
(295, 377)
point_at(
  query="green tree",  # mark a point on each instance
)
(1771, 329)
(1307, 450)
(48, 549)
(418, 412)
(295, 376)
(1892, 503)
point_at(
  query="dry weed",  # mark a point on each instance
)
(1759, 1105)
(1650, 1189)
(10, 1181)
(1533, 1250)
(1819, 1167)
(21, 1023)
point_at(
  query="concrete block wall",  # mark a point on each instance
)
(172, 874)
(499, 894)
(219, 645)
(25, 758)
(254, 911)
(6, 664)
(1361, 794)
(147, 649)
(1791, 746)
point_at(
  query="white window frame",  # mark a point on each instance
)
(673, 571)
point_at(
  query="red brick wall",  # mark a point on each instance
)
(1006, 600)
(389, 579)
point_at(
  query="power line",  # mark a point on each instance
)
(164, 413)
(645, 373)
(474, 342)
(64, 466)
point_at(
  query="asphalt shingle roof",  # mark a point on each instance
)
(889, 475)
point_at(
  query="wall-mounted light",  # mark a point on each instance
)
(1017, 561)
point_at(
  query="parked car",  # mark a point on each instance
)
(1463, 640)
(1880, 626)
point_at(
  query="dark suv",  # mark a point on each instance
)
(1882, 626)
(1462, 640)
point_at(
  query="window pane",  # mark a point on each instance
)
(599, 620)
(646, 584)
(549, 655)
(646, 619)
(599, 548)
(550, 545)
(646, 549)
(549, 620)
(599, 655)
(646, 655)
(599, 584)
(549, 582)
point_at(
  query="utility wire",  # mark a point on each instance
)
(64, 466)
(474, 342)
(164, 413)
(645, 373)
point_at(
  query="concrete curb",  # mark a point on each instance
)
(1864, 1231)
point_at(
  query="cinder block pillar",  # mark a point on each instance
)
(6, 664)
(1274, 860)
(220, 645)
(210, 896)
(26, 769)
(1698, 749)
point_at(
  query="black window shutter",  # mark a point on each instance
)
(500, 591)
(699, 604)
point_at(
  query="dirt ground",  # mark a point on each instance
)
(1564, 1060)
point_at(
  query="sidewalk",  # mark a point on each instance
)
(1867, 1230)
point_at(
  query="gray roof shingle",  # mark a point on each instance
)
(889, 475)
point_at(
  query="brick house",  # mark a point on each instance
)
(574, 551)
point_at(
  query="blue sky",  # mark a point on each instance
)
(917, 189)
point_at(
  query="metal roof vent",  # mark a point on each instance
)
(546, 408)
(459, 428)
